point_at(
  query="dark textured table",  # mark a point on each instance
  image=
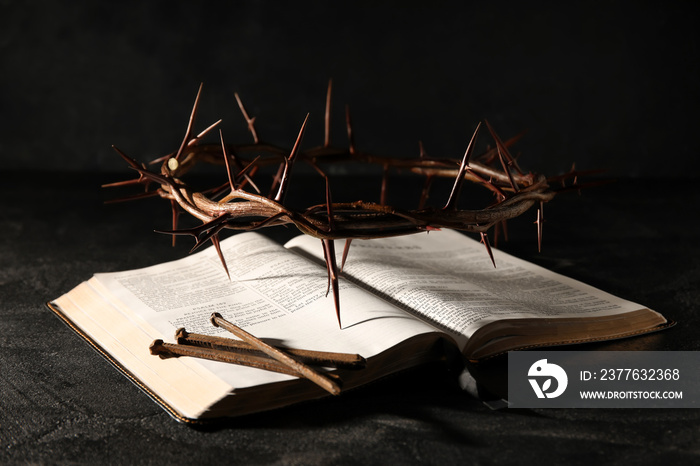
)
(60, 402)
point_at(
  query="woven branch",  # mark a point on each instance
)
(243, 207)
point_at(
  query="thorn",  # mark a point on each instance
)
(242, 172)
(329, 202)
(485, 240)
(217, 245)
(140, 168)
(425, 193)
(134, 164)
(250, 121)
(506, 169)
(249, 178)
(202, 233)
(351, 138)
(539, 222)
(421, 150)
(491, 185)
(328, 273)
(459, 180)
(193, 115)
(161, 179)
(202, 134)
(228, 166)
(267, 221)
(331, 264)
(490, 155)
(176, 216)
(346, 250)
(160, 160)
(329, 205)
(290, 161)
(214, 193)
(385, 182)
(277, 178)
(251, 167)
(502, 147)
(327, 139)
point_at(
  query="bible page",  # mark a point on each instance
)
(273, 293)
(449, 279)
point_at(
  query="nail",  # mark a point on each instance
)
(170, 350)
(317, 358)
(319, 379)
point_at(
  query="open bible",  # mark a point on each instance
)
(403, 301)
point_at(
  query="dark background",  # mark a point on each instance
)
(608, 85)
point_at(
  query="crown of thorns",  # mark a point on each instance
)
(239, 204)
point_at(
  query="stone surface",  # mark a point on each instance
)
(60, 402)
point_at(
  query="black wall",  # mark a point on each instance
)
(610, 85)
